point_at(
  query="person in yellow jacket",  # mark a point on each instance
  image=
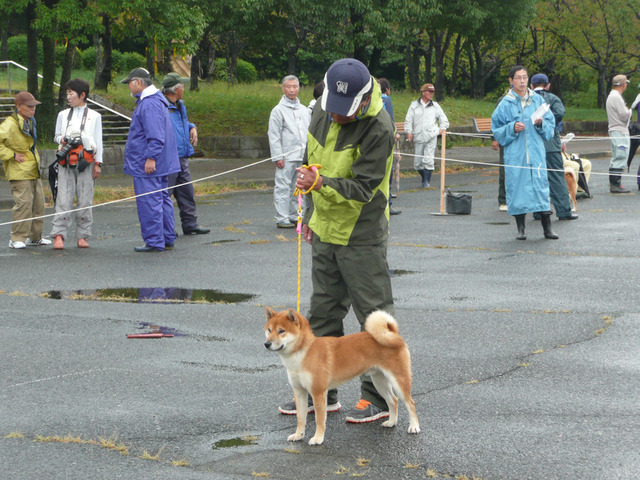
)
(22, 168)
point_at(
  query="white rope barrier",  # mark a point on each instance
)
(472, 135)
(120, 200)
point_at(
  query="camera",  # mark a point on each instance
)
(73, 140)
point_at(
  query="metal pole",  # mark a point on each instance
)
(9, 77)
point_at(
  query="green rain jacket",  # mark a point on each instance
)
(351, 207)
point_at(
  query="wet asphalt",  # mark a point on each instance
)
(526, 354)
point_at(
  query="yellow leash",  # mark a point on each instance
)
(299, 193)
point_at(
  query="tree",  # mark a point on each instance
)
(603, 35)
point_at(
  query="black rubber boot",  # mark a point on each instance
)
(425, 180)
(520, 224)
(427, 176)
(545, 219)
(615, 181)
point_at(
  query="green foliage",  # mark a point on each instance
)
(17, 46)
(131, 60)
(122, 62)
(246, 73)
(88, 58)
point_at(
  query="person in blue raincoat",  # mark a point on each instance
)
(150, 156)
(526, 179)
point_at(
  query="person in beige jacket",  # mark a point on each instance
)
(22, 168)
(618, 115)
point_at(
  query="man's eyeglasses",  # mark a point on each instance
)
(521, 77)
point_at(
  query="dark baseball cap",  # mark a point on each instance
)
(137, 73)
(25, 98)
(345, 84)
(539, 78)
(172, 79)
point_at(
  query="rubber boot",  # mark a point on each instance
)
(520, 224)
(615, 181)
(545, 219)
(427, 176)
(423, 175)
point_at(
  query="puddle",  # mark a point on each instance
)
(236, 442)
(153, 328)
(399, 272)
(150, 295)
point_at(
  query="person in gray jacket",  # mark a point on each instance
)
(288, 124)
(618, 115)
(425, 120)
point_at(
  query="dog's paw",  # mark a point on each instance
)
(316, 440)
(389, 424)
(414, 429)
(296, 437)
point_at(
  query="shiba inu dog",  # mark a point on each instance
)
(572, 186)
(316, 364)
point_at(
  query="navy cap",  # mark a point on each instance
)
(345, 83)
(539, 78)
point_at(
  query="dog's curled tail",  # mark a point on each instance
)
(384, 329)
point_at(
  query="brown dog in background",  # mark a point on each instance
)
(317, 364)
(572, 186)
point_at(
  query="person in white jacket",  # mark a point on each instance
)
(425, 120)
(288, 125)
(76, 176)
(618, 116)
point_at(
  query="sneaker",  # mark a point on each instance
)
(16, 245)
(365, 412)
(289, 408)
(503, 208)
(37, 243)
(285, 224)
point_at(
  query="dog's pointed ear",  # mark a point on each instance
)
(293, 316)
(270, 312)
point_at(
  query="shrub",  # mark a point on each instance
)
(17, 46)
(116, 58)
(131, 60)
(88, 58)
(122, 62)
(246, 73)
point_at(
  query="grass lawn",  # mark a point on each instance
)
(222, 110)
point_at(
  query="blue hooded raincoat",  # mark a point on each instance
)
(151, 136)
(526, 182)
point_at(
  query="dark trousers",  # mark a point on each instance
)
(633, 147)
(184, 195)
(502, 192)
(558, 185)
(345, 276)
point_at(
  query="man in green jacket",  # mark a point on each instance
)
(22, 168)
(351, 139)
(558, 191)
